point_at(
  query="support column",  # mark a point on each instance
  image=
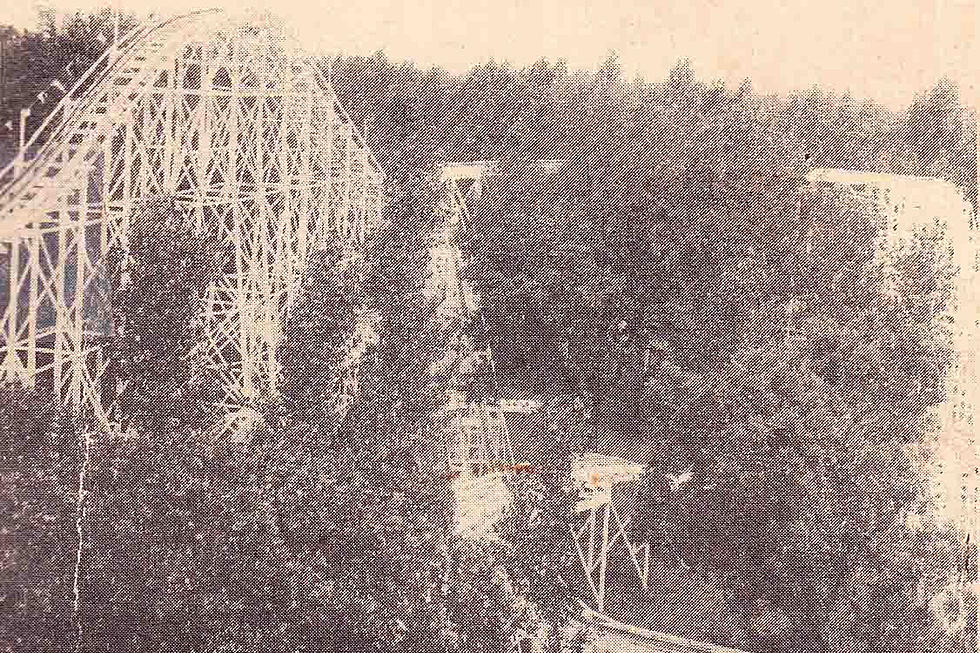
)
(604, 556)
(33, 267)
(12, 361)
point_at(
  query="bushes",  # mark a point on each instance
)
(42, 454)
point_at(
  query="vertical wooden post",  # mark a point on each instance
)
(63, 327)
(13, 300)
(604, 555)
(115, 33)
(593, 521)
(33, 268)
(21, 152)
(646, 566)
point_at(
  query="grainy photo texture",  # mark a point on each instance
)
(488, 328)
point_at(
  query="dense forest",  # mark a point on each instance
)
(675, 277)
(713, 314)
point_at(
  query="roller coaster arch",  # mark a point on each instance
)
(236, 123)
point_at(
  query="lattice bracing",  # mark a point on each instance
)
(603, 529)
(474, 438)
(477, 442)
(237, 124)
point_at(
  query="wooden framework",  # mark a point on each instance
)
(478, 446)
(238, 125)
(476, 443)
(602, 530)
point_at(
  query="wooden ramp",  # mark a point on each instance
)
(606, 635)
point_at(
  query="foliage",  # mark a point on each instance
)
(316, 337)
(542, 563)
(41, 454)
(807, 444)
(668, 275)
(486, 606)
(146, 489)
(797, 424)
(386, 507)
(157, 303)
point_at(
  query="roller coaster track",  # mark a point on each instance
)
(233, 121)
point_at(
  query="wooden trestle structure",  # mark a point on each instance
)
(243, 129)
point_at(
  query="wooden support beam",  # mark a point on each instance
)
(143, 127)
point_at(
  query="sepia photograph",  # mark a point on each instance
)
(489, 326)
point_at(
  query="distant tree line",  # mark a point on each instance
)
(58, 51)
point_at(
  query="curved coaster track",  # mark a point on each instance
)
(238, 125)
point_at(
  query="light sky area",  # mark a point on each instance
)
(880, 50)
